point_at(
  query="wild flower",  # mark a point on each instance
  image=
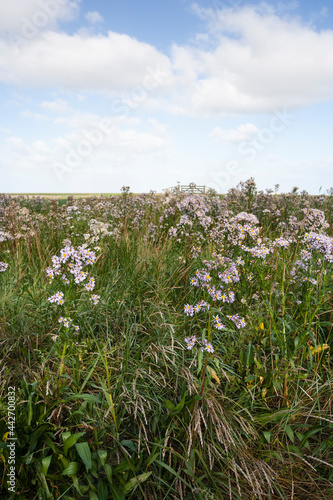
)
(76, 260)
(95, 298)
(218, 323)
(208, 347)
(91, 285)
(189, 310)
(205, 346)
(191, 341)
(3, 266)
(319, 348)
(239, 322)
(57, 298)
(281, 242)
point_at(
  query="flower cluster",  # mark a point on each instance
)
(74, 261)
(66, 322)
(218, 323)
(215, 279)
(281, 242)
(239, 322)
(90, 285)
(57, 298)
(205, 346)
(95, 298)
(3, 266)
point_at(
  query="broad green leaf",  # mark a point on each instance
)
(290, 433)
(129, 444)
(102, 490)
(91, 398)
(46, 463)
(116, 493)
(71, 440)
(71, 469)
(132, 483)
(169, 404)
(267, 436)
(84, 453)
(93, 496)
(65, 436)
(108, 472)
(151, 458)
(102, 454)
(180, 405)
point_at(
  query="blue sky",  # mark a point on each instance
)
(95, 95)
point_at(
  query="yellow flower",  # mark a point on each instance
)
(320, 347)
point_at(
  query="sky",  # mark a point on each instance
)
(95, 95)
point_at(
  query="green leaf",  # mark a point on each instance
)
(169, 404)
(93, 496)
(71, 440)
(108, 472)
(122, 467)
(37, 434)
(129, 444)
(46, 463)
(116, 493)
(152, 457)
(102, 454)
(249, 355)
(91, 398)
(102, 490)
(84, 453)
(180, 405)
(65, 435)
(290, 433)
(267, 436)
(71, 469)
(313, 430)
(200, 358)
(135, 481)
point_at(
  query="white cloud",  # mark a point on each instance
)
(24, 16)
(256, 61)
(91, 140)
(27, 156)
(113, 62)
(94, 17)
(249, 60)
(58, 106)
(36, 116)
(242, 133)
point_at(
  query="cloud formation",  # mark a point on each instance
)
(16, 16)
(255, 62)
(80, 62)
(242, 133)
(94, 17)
(87, 140)
(249, 60)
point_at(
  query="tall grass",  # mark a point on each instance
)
(124, 409)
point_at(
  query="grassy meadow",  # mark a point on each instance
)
(167, 346)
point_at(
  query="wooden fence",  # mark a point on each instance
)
(190, 188)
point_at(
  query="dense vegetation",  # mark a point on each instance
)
(168, 347)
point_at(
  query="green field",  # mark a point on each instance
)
(166, 346)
